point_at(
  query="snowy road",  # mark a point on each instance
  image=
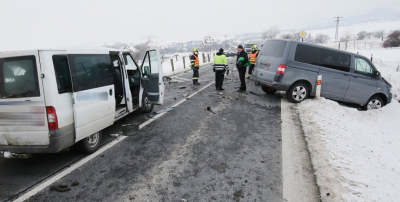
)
(189, 153)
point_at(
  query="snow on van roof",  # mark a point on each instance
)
(80, 48)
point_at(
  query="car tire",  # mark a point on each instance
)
(147, 106)
(92, 143)
(375, 102)
(298, 92)
(268, 90)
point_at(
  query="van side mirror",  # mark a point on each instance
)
(146, 70)
(377, 74)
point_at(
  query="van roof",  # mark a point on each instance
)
(318, 46)
(85, 48)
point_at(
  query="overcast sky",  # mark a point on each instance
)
(50, 23)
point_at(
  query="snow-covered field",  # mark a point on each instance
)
(356, 154)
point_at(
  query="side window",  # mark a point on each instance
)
(90, 71)
(335, 60)
(129, 63)
(307, 54)
(154, 62)
(363, 67)
(63, 75)
(18, 77)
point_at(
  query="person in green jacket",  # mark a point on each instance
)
(220, 67)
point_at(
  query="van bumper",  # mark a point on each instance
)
(272, 84)
(59, 140)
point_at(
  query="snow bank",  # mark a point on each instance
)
(355, 154)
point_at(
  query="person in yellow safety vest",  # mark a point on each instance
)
(220, 67)
(195, 65)
(253, 58)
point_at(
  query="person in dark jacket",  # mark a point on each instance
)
(220, 67)
(241, 62)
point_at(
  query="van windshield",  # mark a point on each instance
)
(18, 77)
(248, 45)
(274, 48)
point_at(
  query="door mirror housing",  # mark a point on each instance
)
(146, 70)
(377, 74)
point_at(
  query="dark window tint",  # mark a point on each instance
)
(335, 60)
(63, 75)
(18, 77)
(274, 49)
(307, 54)
(90, 71)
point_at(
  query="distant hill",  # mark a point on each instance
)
(377, 15)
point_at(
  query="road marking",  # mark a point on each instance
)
(73, 167)
(174, 105)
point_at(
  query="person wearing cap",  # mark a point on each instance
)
(195, 65)
(220, 67)
(253, 58)
(241, 64)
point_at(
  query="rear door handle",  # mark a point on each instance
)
(110, 92)
(355, 76)
(345, 74)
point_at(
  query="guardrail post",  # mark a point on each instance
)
(176, 57)
(172, 65)
(204, 58)
(208, 57)
(318, 90)
(184, 65)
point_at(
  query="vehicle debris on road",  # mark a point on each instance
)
(254, 93)
(164, 110)
(209, 109)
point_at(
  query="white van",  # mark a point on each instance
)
(52, 99)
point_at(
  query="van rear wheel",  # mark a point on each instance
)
(298, 92)
(92, 143)
(268, 90)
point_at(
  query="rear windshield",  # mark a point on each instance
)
(18, 77)
(274, 48)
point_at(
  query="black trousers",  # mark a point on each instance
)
(219, 79)
(251, 69)
(242, 75)
(195, 75)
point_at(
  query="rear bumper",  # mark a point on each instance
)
(59, 140)
(272, 84)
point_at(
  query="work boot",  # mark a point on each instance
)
(197, 83)
(221, 89)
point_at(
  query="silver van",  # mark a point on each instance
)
(293, 67)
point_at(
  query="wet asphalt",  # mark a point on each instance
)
(189, 153)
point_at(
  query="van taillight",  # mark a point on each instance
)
(52, 118)
(281, 69)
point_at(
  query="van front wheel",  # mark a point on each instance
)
(268, 90)
(375, 102)
(92, 143)
(298, 92)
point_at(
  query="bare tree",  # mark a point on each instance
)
(393, 39)
(310, 39)
(321, 38)
(369, 34)
(141, 49)
(271, 32)
(379, 33)
(361, 35)
(287, 36)
(207, 44)
(346, 38)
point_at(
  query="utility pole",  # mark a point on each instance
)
(337, 27)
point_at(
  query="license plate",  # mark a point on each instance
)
(266, 66)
